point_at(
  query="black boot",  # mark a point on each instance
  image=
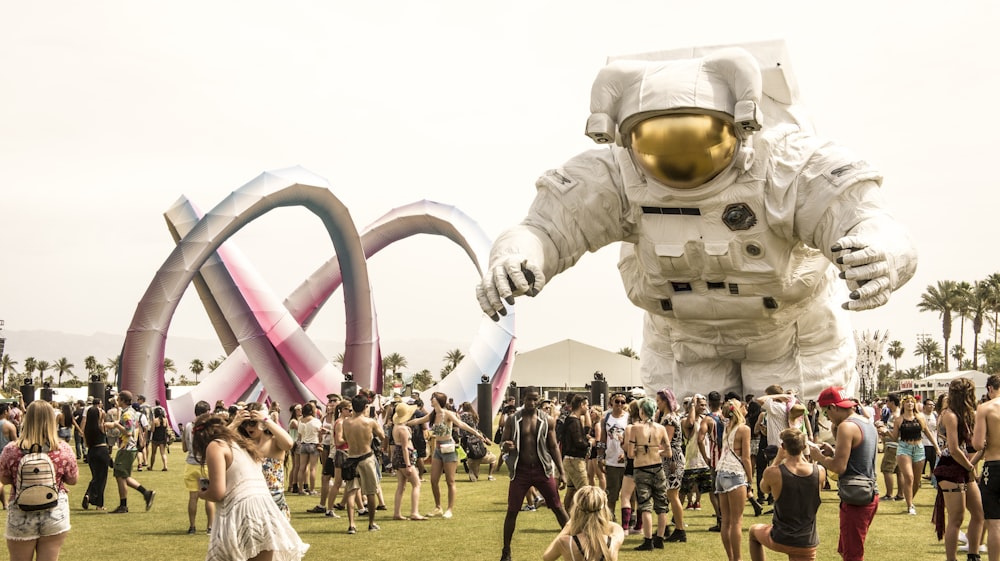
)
(757, 508)
(718, 525)
(658, 542)
(647, 545)
(678, 536)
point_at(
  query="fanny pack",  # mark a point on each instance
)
(856, 489)
(350, 469)
(447, 447)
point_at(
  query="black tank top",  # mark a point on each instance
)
(909, 430)
(795, 510)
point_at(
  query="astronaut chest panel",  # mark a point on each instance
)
(722, 240)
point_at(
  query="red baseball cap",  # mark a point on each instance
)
(836, 396)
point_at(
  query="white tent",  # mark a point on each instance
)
(572, 364)
(937, 384)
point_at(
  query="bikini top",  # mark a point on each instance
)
(649, 442)
(579, 546)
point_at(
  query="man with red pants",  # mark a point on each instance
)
(857, 443)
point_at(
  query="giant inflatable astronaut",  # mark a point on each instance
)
(736, 221)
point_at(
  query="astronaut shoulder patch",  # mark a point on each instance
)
(848, 172)
(557, 179)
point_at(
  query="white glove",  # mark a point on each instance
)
(869, 270)
(509, 276)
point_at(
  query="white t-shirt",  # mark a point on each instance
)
(614, 438)
(932, 423)
(309, 432)
(777, 418)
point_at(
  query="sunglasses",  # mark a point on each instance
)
(619, 401)
(248, 424)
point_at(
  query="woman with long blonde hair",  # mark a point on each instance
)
(38, 534)
(907, 429)
(733, 472)
(590, 533)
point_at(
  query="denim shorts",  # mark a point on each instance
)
(449, 457)
(23, 525)
(726, 481)
(915, 451)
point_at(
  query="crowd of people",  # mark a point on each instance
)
(634, 469)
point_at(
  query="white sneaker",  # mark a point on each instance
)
(446, 515)
(912, 511)
(965, 547)
(962, 538)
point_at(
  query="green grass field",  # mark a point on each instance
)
(474, 533)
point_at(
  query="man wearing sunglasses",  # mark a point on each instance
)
(615, 422)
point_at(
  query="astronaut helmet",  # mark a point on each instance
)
(684, 122)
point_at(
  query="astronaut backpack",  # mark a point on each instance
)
(36, 481)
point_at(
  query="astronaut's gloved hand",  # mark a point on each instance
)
(869, 269)
(508, 276)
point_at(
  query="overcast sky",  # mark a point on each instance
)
(109, 111)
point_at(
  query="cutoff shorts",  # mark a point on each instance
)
(24, 525)
(726, 481)
(914, 451)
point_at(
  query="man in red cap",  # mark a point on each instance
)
(857, 443)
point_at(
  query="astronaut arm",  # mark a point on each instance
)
(874, 252)
(577, 208)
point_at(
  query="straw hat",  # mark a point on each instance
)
(403, 413)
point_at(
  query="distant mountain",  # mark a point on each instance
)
(53, 345)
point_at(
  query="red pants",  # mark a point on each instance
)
(854, 523)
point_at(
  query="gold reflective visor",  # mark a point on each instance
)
(684, 151)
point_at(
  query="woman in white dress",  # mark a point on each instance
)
(248, 525)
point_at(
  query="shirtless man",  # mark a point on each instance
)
(530, 441)
(360, 471)
(986, 438)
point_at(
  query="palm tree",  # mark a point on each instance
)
(941, 299)
(927, 348)
(994, 282)
(884, 373)
(962, 291)
(454, 357)
(391, 363)
(991, 353)
(63, 366)
(113, 364)
(169, 366)
(339, 359)
(42, 366)
(422, 380)
(958, 353)
(197, 367)
(30, 365)
(212, 365)
(978, 303)
(895, 351)
(627, 351)
(6, 365)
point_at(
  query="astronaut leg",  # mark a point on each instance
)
(660, 367)
(815, 352)
(827, 353)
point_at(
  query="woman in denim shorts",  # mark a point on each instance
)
(732, 477)
(908, 428)
(40, 533)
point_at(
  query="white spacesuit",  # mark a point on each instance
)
(733, 216)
